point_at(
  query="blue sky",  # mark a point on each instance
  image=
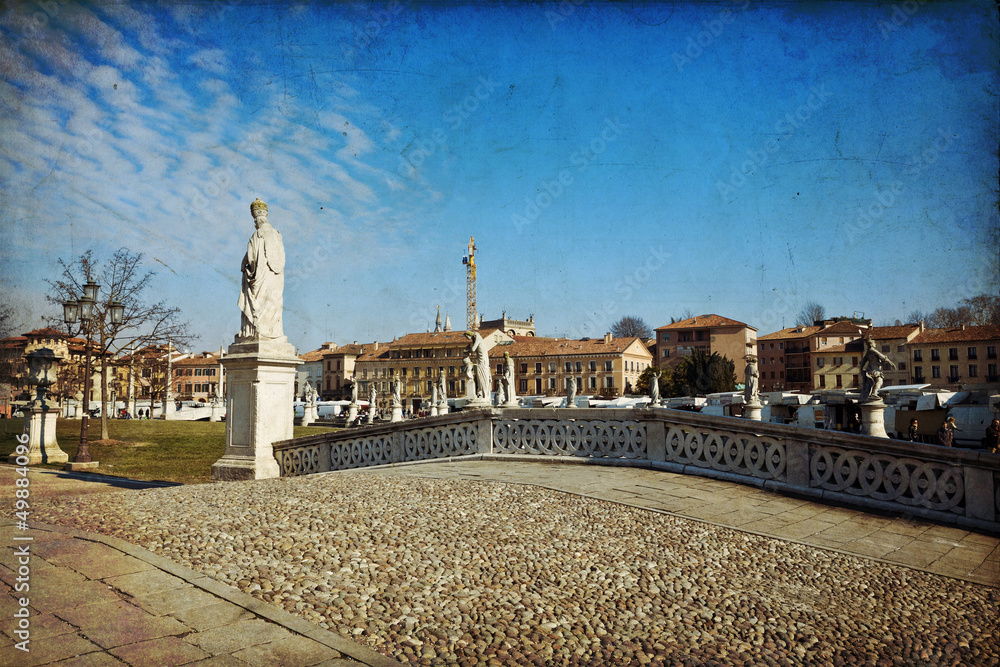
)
(610, 159)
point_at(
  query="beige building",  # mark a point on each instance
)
(509, 326)
(712, 333)
(784, 359)
(339, 368)
(196, 377)
(891, 341)
(959, 358)
(14, 389)
(418, 360)
(542, 366)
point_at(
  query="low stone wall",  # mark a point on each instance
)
(942, 484)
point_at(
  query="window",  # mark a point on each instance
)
(840, 382)
(523, 386)
(854, 381)
(918, 355)
(592, 366)
(592, 382)
(971, 353)
(952, 354)
(579, 366)
(538, 385)
(569, 366)
(918, 373)
(900, 348)
(499, 369)
(664, 338)
(781, 360)
(973, 370)
(403, 372)
(935, 355)
(935, 371)
(429, 371)
(538, 367)
(854, 361)
(772, 346)
(991, 351)
(666, 353)
(822, 381)
(609, 365)
(819, 362)
(886, 348)
(902, 365)
(781, 346)
(416, 371)
(991, 372)
(609, 381)
(552, 383)
(953, 373)
(552, 367)
(524, 369)
(447, 352)
(197, 372)
(430, 386)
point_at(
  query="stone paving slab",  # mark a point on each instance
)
(98, 600)
(915, 543)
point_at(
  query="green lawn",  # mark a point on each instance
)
(169, 451)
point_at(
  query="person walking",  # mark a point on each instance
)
(946, 434)
(912, 434)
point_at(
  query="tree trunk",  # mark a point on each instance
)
(104, 401)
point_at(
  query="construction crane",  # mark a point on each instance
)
(470, 271)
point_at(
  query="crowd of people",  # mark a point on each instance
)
(946, 434)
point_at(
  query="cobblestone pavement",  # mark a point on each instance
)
(438, 564)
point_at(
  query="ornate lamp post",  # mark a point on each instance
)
(82, 310)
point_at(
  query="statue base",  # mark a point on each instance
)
(443, 408)
(216, 415)
(475, 403)
(40, 426)
(352, 412)
(434, 410)
(260, 376)
(397, 414)
(873, 419)
(752, 411)
(371, 414)
(310, 415)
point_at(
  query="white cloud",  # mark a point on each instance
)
(211, 60)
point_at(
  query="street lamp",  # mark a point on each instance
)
(82, 309)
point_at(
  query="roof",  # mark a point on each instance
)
(439, 338)
(47, 332)
(350, 349)
(531, 346)
(852, 346)
(886, 333)
(701, 321)
(206, 360)
(841, 327)
(957, 335)
(315, 355)
(789, 333)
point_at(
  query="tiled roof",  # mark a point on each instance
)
(47, 332)
(789, 333)
(852, 346)
(700, 321)
(887, 333)
(957, 335)
(531, 346)
(209, 360)
(351, 349)
(315, 355)
(841, 327)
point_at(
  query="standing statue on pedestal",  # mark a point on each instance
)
(871, 371)
(470, 378)
(751, 379)
(571, 392)
(442, 395)
(397, 402)
(479, 353)
(654, 388)
(263, 280)
(309, 395)
(372, 396)
(354, 389)
(507, 380)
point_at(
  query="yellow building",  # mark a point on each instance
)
(959, 358)
(711, 333)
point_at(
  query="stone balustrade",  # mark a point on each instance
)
(941, 484)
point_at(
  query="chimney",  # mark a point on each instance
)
(921, 326)
(607, 337)
(376, 345)
(963, 326)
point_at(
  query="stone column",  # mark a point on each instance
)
(397, 413)
(260, 378)
(873, 419)
(352, 413)
(40, 425)
(752, 410)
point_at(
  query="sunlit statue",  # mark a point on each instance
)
(751, 379)
(871, 370)
(479, 353)
(263, 280)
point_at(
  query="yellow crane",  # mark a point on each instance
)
(470, 297)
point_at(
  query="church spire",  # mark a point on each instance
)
(437, 322)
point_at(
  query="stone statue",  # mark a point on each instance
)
(217, 395)
(354, 389)
(571, 392)
(396, 400)
(263, 280)
(871, 371)
(434, 395)
(372, 396)
(443, 391)
(470, 378)
(500, 397)
(751, 378)
(479, 353)
(654, 388)
(309, 395)
(507, 379)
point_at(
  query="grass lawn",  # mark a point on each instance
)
(168, 451)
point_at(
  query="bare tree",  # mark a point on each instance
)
(121, 278)
(810, 313)
(983, 309)
(631, 326)
(917, 316)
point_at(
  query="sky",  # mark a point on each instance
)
(610, 159)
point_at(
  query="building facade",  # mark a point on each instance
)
(339, 368)
(957, 358)
(711, 333)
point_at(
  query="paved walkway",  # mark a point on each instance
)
(915, 543)
(98, 600)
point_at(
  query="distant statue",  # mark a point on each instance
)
(507, 379)
(434, 394)
(751, 378)
(372, 396)
(354, 390)
(443, 391)
(654, 388)
(479, 353)
(263, 279)
(470, 378)
(871, 371)
(396, 400)
(500, 397)
(309, 395)
(571, 392)
(217, 395)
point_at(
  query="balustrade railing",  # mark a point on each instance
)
(939, 483)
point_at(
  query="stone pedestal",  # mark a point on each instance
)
(434, 410)
(310, 414)
(752, 411)
(260, 378)
(873, 419)
(40, 425)
(371, 413)
(442, 407)
(397, 413)
(216, 415)
(352, 413)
